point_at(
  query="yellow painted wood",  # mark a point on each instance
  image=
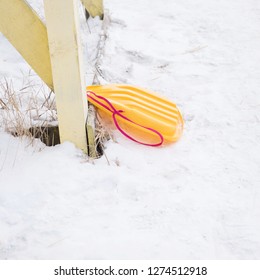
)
(94, 7)
(66, 59)
(26, 32)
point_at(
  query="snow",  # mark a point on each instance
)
(195, 199)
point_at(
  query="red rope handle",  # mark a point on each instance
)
(110, 107)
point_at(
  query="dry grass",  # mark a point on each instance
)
(27, 106)
(30, 111)
(103, 132)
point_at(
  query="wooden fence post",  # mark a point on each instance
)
(69, 84)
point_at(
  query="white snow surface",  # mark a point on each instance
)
(195, 199)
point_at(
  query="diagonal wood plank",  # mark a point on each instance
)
(27, 33)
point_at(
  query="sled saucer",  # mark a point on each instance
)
(140, 111)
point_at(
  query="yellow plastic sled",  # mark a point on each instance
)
(140, 115)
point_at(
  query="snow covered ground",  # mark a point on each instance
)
(196, 199)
